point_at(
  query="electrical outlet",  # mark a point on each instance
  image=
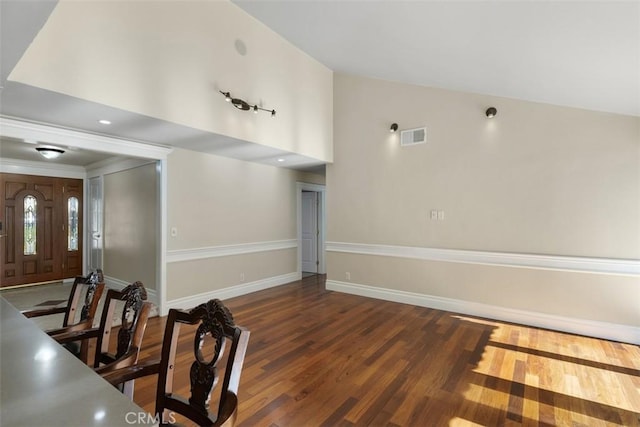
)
(434, 214)
(348, 275)
(174, 231)
(241, 277)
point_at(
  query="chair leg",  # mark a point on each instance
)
(84, 351)
(127, 389)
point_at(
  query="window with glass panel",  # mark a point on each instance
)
(72, 229)
(30, 205)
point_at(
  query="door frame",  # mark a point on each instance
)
(118, 147)
(53, 259)
(322, 224)
(88, 215)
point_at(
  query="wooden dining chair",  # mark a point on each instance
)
(127, 341)
(215, 320)
(92, 286)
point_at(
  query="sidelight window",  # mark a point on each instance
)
(72, 229)
(30, 205)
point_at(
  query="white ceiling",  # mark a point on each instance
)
(584, 54)
(17, 149)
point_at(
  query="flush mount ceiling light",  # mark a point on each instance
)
(491, 112)
(241, 104)
(104, 122)
(393, 128)
(49, 152)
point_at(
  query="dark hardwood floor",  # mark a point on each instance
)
(321, 358)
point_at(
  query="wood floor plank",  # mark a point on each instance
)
(321, 358)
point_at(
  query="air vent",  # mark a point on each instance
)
(413, 136)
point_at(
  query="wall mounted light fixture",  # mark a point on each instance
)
(49, 152)
(241, 104)
(491, 112)
(393, 128)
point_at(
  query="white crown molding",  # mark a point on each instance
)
(605, 330)
(551, 262)
(179, 255)
(41, 168)
(114, 165)
(27, 130)
(233, 291)
(321, 188)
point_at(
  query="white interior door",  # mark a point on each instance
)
(309, 222)
(95, 223)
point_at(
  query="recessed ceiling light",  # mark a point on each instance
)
(104, 122)
(281, 160)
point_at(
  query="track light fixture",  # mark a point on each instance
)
(241, 104)
(393, 128)
(491, 112)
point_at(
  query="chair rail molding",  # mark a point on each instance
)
(506, 259)
(179, 255)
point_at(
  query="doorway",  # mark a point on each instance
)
(95, 223)
(311, 228)
(309, 232)
(41, 229)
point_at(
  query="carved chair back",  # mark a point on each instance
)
(93, 285)
(213, 320)
(133, 322)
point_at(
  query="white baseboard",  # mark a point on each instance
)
(233, 291)
(117, 284)
(609, 331)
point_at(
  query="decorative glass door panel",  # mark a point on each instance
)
(72, 253)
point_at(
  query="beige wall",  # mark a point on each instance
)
(537, 179)
(600, 297)
(130, 225)
(129, 53)
(189, 278)
(215, 201)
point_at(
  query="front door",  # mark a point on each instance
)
(41, 229)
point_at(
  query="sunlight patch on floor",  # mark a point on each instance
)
(459, 422)
(564, 378)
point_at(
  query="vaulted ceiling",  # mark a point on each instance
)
(583, 54)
